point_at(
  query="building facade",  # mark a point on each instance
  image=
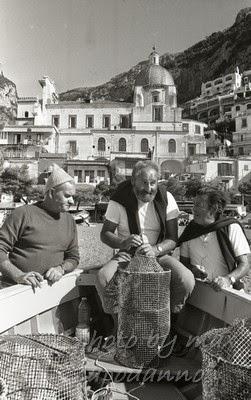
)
(242, 136)
(94, 134)
(221, 98)
(229, 171)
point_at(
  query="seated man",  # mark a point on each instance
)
(39, 241)
(142, 215)
(213, 247)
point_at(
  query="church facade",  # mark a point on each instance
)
(95, 135)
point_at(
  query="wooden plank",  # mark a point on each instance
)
(19, 303)
(23, 329)
(155, 390)
(87, 279)
(34, 325)
(226, 304)
(168, 366)
(46, 322)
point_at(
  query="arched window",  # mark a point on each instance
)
(144, 146)
(172, 146)
(122, 144)
(155, 97)
(101, 144)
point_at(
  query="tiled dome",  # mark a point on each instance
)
(154, 75)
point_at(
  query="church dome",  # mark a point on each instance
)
(153, 74)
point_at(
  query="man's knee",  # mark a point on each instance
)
(186, 278)
(188, 281)
(102, 277)
(106, 273)
(181, 276)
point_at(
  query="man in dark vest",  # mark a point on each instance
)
(212, 246)
(142, 215)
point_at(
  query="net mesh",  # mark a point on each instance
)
(226, 362)
(143, 312)
(39, 367)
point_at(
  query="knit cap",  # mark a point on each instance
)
(57, 177)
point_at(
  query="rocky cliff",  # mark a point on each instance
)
(8, 101)
(218, 54)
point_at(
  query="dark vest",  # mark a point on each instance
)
(125, 196)
(194, 230)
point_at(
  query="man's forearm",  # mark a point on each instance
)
(242, 270)
(69, 265)
(167, 245)
(9, 270)
(112, 240)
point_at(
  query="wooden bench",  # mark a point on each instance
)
(225, 305)
(24, 311)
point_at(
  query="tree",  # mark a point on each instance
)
(192, 186)
(174, 186)
(195, 184)
(245, 187)
(245, 190)
(101, 188)
(85, 194)
(36, 193)
(16, 180)
(104, 191)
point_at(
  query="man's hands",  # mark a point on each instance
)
(218, 283)
(221, 282)
(30, 278)
(35, 279)
(54, 274)
(142, 248)
(131, 241)
(198, 271)
(146, 250)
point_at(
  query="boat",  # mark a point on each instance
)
(80, 215)
(54, 310)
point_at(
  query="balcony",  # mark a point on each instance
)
(196, 158)
(197, 138)
(227, 100)
(202, 106)
(101, 155)
(20, 150)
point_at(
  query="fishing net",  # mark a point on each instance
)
(143, 312)
(226, 362)
(41, 367)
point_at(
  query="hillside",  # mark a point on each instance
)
(8, 101)
(216, 55)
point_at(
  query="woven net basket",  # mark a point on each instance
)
(42, 367)
(226, 362)
(143, 312)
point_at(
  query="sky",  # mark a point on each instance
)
(81, 43)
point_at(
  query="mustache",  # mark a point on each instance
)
(145, 192)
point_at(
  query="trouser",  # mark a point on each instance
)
(181, 286)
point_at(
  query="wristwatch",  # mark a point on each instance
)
(159, 248)
(232, 280)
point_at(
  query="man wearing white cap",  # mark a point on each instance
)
(39, 241)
